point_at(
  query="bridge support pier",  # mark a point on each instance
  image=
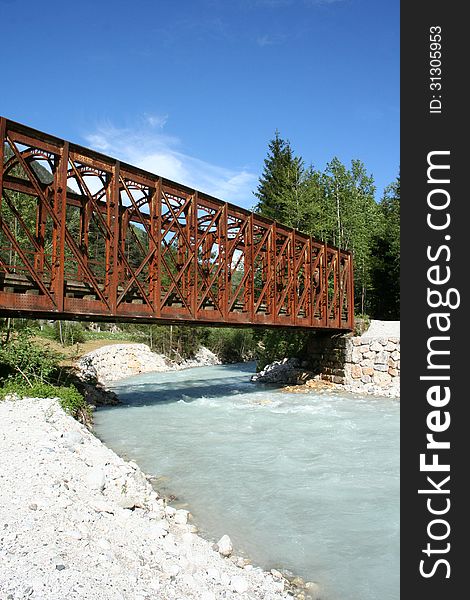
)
(327, 354)
(362, 363)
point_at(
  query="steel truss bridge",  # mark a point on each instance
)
(84, 236)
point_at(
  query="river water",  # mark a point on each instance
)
(307, 482)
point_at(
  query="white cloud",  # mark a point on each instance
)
(159, 153)
(271, 40)
(156, 120)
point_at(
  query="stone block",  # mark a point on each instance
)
(382, 379)
(395, 355)
(381, 358)
(366, 379)
(375, 346)
(367, 370)
(356, 372)
(381, 367)
(356, 356)
(367, 362)
(393, 372)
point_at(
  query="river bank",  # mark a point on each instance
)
(82, 523)
(366, 364)
(95, 371)
(277, 471)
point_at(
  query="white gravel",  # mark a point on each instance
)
(116, 361)
(79, 522)
(383, 329)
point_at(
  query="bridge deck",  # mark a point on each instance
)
(84, 236)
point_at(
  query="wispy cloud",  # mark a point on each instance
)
(270, 40)
(156, 120)
(159, 153)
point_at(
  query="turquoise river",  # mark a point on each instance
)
(304, 482)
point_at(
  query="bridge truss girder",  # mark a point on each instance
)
(84, 236)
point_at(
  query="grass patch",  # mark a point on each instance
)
(69, 397)
(30, 370)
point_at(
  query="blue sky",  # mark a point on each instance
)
(194, 90)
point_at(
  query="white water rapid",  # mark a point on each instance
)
(306, 482)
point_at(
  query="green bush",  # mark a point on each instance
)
(231, 345)
(69, 333)
(276, 344)
(21, 356)
(361, 324)
(69, 397)
(28, 370)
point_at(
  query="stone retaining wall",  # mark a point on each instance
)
(363, 364)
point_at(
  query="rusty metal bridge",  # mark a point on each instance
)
(84, 236)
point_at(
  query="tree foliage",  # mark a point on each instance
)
(337, 206)
(21, 358)
(276, 344)
(386, 256)
(231, 345)
(280, 186)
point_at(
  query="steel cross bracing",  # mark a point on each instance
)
(84, 236)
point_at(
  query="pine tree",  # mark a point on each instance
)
(386, 253)
(279, 191)
(350, 216)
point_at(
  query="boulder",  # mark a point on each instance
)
(239, 584)
(280, 371)
(181, 516)
(224, 546)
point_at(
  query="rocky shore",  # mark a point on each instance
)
(79, 522)
(95, 370)
(365, 364)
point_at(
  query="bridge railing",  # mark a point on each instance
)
(83, 235)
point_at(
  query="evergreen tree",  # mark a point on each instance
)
(386, 252)
(344, 213)
(279, 191)
(318, 219)
(336, 206)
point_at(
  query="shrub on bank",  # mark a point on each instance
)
(29, 370)
(231, 345)
(276, 344)
(69, 397)
(20, 357)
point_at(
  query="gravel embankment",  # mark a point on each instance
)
(117, 361)
(382, 329)
(79, 522)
